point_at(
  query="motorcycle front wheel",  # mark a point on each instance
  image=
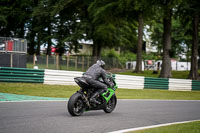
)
(76, 105)
(110, 106)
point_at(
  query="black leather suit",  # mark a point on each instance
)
(93, 74)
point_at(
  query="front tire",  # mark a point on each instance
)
(110, 106)
(76, 105)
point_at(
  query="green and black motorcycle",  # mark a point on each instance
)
(79, 102)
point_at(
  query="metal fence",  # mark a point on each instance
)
(13, 45)
(74, 63)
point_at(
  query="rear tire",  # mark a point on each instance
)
(110, 106)
(76, 105)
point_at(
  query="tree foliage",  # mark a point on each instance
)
(107, 23)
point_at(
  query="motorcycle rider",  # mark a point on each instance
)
(92, 76)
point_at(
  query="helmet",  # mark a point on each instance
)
(101, 63)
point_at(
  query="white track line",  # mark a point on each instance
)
(152, 126)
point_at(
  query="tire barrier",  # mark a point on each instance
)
(156, 83)
(8, 74)
(60, 77)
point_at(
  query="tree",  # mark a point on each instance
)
(180, 34)
(71, 23)
(167, 7)
(32, 24)
(139, 46)
(194, 62)
(189, 12)
(13, 17)
(139, 10)
(45, 21)
(195, 22)
(166, 61)
(108, 26)
(101, 22)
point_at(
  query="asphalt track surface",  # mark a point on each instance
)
(52, 116)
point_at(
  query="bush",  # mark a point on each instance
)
(151, 56)
(122, 57)
(126, 56)
(110, 54)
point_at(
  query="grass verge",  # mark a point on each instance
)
(157, 94)
(65, 91)
(191, 127)
(61, 91)
(149, 73)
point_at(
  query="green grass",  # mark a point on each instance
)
(191, 127)
(145, 73)
(61, 91)
(65, 91)
(157, 94)
(149, 73)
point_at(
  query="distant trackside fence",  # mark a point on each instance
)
(61, 77)
(71, 63)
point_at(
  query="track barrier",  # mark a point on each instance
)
(61, 77)
(8, 74)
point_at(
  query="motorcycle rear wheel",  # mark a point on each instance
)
(110, 106)
(76, 105)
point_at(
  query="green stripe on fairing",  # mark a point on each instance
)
(15, 97)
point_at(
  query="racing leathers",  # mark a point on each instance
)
(92, 76)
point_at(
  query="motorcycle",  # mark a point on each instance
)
(79, 102)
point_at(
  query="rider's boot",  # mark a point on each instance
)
(93, 98)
